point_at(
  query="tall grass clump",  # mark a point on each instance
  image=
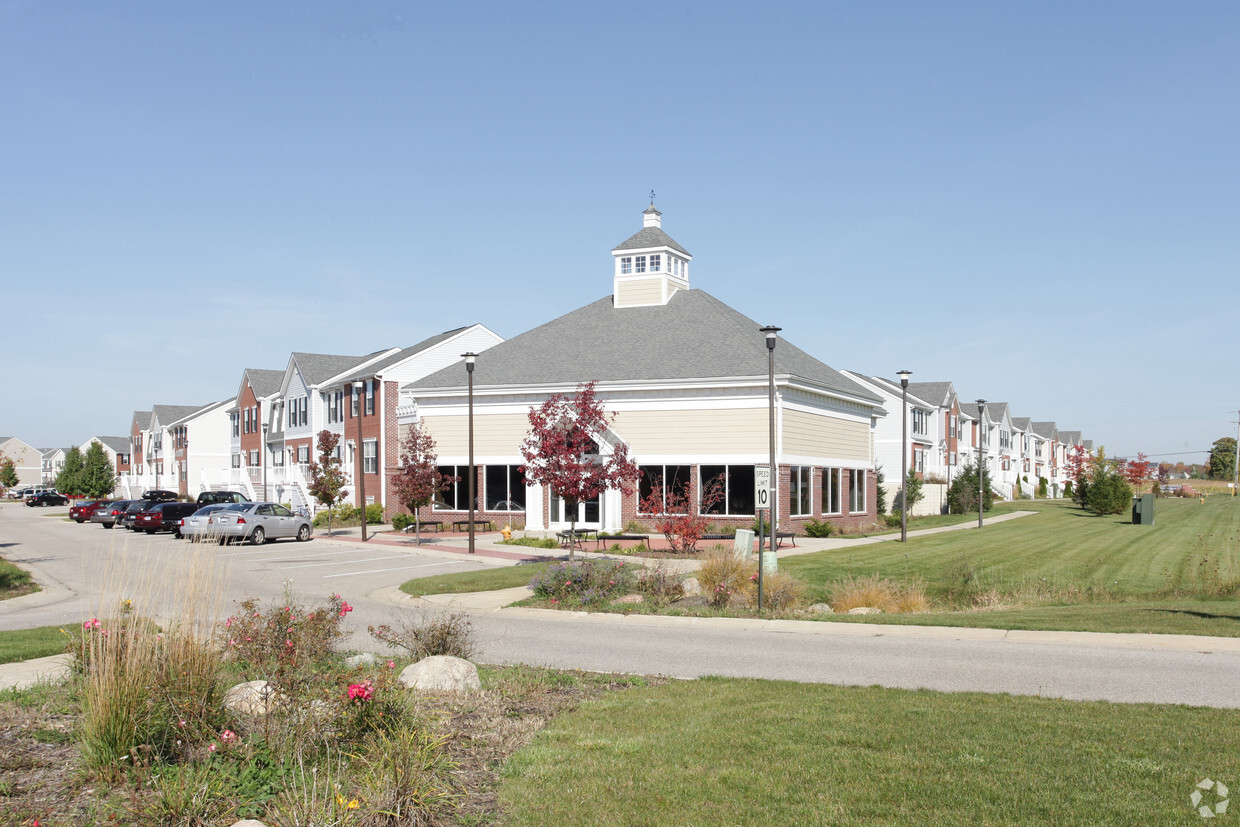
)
(877, 592)
(724, 574)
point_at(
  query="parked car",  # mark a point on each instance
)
(159, 495)
(163, 517)
(83, 511)
(47, 498)
(210, 497)
(260, 522)
(28, 491)
(130, 513)
(198, 526)
(110, 513)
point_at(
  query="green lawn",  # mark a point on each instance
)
(483, 580)
(1063, 569)
(14, 581)
(28, 644)
(753, 752)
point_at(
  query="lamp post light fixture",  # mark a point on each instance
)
(359, 456)
(904, 375)
(263, 456)
(470, 358)
(771, 332)
(981, 460)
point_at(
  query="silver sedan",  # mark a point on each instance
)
(197, 526)
(258, 523)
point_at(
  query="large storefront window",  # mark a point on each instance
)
(736, 483)
(455, 497)
(505, 488)
(660, 481)
(856, 490)
(830, 491)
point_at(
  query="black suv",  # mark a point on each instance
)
(126, 520)
(214, 497)
(160, 496)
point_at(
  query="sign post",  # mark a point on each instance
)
(762, 500)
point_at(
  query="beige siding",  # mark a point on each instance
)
(642, 291)
(823, 436)
(494, 435)
(729, 431)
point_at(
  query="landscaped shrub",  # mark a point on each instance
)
(584, 582)
(283, 643)
(893, 520)
(780, 591)
(1109, 493)
(1067, 489)
(428, 635)
(660, 585)
(878, 592)
(962, 493)
(531, 542)
(819, 528)
(1042, 487)
(724, 574)
(402, 521)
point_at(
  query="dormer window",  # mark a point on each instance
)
(626, 265)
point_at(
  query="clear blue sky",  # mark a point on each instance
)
(1037, 202)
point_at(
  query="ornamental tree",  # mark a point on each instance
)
(1076, 469)
(98, 475)
(1136, 471)
(327, 478)
(418, 480)
(561, 452)
(674, 517)
(8, 472)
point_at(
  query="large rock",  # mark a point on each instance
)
(251, 698)
(865, 610)
(363, 659)
(822, 609)
(627, 599)
(691, 586)
(249, 822)
(441, 673)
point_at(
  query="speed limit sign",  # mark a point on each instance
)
(762, 485)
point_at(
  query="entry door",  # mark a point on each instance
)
(588, 513)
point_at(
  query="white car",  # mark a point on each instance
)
(258, 523)
(197, 526)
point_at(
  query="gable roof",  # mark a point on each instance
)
(693, 336)
(890, 386)
(317, 368)
(937, 393)
(1021, 422)
(264, 382)
(142, 419)
(119, 444)
(165, 415)
(1044, 429)
(401, 355)
(201, 410)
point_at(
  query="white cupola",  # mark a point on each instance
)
(649, 266)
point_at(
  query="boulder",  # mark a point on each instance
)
(249, 822)
(251, 698)
(865, 610)
(822, 609)
(691, 586)
(627, 599)
(441, 673)
(363, 659)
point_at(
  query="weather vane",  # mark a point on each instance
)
(652, 198)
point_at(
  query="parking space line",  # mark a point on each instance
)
(344, 562)
(296, 557)
(398, 568)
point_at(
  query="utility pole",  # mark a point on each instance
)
(1235, 471)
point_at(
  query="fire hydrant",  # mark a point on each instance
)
(507, 532)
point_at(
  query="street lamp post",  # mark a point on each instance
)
(904, 375)
(359, 456)
(470, 358)
(263, 456)
(770, 331)
(981, 460)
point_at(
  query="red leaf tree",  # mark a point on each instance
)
(327, 478)
(1136, 471)
(1077, 470)
(561, 452)
(419, 480)
(674, 517)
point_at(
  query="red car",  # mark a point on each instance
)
(82, 512)
(165, 516)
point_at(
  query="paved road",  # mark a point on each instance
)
(79, 561)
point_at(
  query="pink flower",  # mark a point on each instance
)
(93, 623)
(211, 748)
(391, 664)
(345, 608)
(361, 692)
(181, 724)
(288, 643)
(229, 737)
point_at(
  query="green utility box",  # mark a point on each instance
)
(1143, 510)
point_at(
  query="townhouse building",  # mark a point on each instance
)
(51, 463)
(27, 460)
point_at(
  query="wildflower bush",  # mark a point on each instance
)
(659, 585)
(584, 582)
(724, 575)
(285, 644)
(427, 635)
